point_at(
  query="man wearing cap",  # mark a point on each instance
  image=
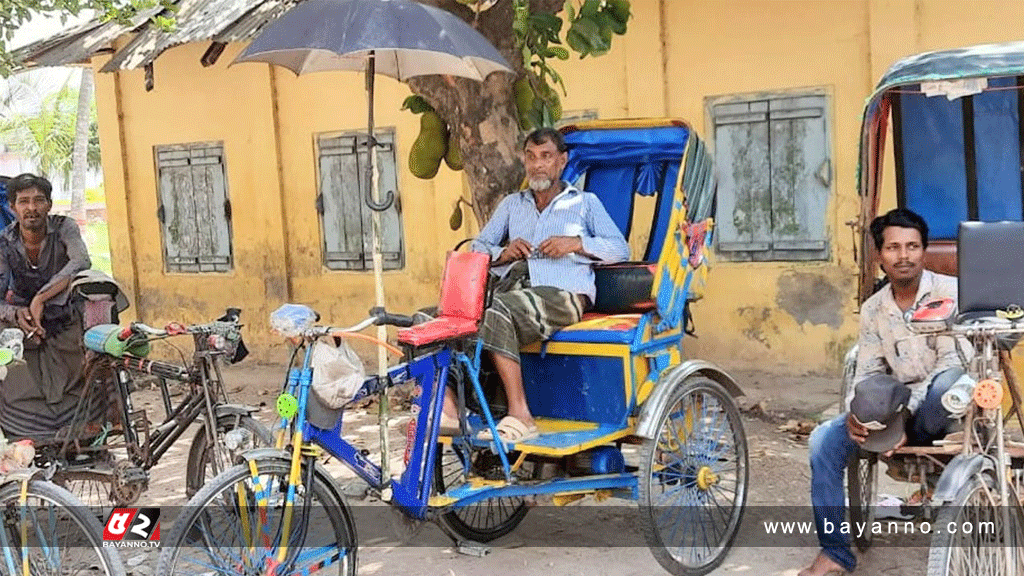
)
(899, 381)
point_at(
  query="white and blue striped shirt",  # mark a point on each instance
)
(571, 213)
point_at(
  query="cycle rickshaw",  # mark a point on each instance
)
(957, 142)
(618, 377)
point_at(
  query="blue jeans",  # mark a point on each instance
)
(830, 449)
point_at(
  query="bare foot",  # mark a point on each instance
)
(822, 566)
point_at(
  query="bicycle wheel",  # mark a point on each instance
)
(861, 479)
(54, 532)
(693, 478)
(226, 529)
(483, 521)
(969, 537)
(205, 461)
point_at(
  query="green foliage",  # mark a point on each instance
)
(95, 195)
(592, 23)
(15, 13)
(47, 135)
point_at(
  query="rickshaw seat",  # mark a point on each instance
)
(940, 257)
(461, 306)
(600, 329)
(437, 330)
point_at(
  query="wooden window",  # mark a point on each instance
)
(775, 174)
(194, 209)
(346, 220)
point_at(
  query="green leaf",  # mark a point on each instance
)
(545, 21)
(590, 8)
(589, 29)
(608, 20)
(577, 42)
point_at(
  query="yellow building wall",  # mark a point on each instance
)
(677, 57)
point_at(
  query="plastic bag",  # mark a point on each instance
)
(292, 320)
(338, 374)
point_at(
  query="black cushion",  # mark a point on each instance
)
(624, 287)
(990, 266)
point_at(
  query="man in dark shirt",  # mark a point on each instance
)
(41, 253)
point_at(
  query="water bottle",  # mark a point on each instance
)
(957, 399)
(14, 340)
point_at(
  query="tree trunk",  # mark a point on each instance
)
(79, 155)
(483, 116)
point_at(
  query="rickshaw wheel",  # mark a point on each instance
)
(861, 479)
(693, 479)
(483, 521)
(976, 544)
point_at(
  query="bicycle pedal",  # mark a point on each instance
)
(470, 548)
(134, 474)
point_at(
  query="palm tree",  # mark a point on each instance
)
(46, 134)
(84, 119)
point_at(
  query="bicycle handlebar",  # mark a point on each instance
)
(224, 326)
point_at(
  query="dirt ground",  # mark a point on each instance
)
(779, 477)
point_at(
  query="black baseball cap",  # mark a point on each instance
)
(880, 405)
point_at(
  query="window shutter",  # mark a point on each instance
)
(346, 219)
(194, 215)
(801, 176)
(341, 217)
(741, 160)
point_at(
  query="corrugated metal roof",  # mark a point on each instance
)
(250, 24)
(197, 20)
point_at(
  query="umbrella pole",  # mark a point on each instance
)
(378, 275)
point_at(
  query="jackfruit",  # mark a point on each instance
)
(429, 147)
(453, 157)
(455, 220)
(553, 102)
(524, 102)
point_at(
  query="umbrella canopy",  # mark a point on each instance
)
(406, 38)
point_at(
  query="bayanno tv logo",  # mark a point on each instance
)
(132, 528)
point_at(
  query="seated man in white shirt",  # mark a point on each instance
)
(555, 234)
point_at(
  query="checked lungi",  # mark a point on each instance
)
(521, 314)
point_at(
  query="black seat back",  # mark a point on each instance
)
(990, 267)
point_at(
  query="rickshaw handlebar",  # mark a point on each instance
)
(378, 317)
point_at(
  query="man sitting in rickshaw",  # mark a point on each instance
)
(555, 233)
(898, 383)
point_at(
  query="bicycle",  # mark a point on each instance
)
(108, 461)
(47, 530)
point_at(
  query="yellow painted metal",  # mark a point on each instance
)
(438, 501)
(579, 349)
(620, 123)
(563, 499)
(248, 536)
(528, 448)
(706, 478)
(519, 462)
(294, 476)
(23, 502)
(550, 425)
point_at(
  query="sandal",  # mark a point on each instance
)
(511, 430)
(449, 426)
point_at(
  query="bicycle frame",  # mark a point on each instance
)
(411, 492)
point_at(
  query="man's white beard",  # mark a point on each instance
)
(540, 184)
